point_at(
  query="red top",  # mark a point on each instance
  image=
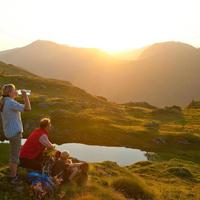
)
(32, 148)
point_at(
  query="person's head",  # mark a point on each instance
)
(64, 155)
(9, 90)
(45, 123)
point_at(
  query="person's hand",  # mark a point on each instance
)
(23, 93)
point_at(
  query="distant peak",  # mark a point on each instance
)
(45, 43)
(167, 49)
(39, 42)
(173, 44)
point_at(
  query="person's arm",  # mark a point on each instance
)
(69, 161)
(27, 104)
(44, 140)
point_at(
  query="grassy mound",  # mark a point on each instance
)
(108, 181)
(181, 172)
(194, 105)
(133, 187)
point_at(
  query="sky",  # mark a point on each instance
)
(111, 25)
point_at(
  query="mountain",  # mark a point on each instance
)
(80, 117)
(77, 116)
(169, 50)
(163, 74)
(81, 66)
(49, 59)
(57, 99)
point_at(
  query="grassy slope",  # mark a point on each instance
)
(80, 117)
(169, 180)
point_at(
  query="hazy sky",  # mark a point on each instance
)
(106, 24)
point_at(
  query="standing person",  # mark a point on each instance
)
(12, 123)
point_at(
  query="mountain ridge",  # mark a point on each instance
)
(164, 74)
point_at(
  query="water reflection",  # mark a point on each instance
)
(93, 153)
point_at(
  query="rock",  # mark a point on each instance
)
(181, 172)
(183, 141)
(160, 140)
(151, 156)
(152, 125)
(173, 110)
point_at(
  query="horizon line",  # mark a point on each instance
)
(102, 49)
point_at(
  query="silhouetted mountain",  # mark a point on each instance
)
(84, 67)
(164, 73)
(168, 50)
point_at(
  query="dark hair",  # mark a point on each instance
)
(45, 122)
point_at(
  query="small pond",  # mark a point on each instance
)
(93, 153)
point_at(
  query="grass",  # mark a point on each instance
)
(133, 187)
(108, 181)
(78, 116)
(4, 149)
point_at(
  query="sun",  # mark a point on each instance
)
(109, 25)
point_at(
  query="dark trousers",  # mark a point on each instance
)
(34, 164)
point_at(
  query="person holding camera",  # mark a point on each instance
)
(12, 124)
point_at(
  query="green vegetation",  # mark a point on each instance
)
(80, 117)
(168, 180)
(133, 187)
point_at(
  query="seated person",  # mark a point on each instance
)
(65, 156)
(65, 164)
(74, 168)
(31, 154)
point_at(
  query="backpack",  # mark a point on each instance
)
(2, 136)
(42, 186)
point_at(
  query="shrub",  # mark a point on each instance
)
(194, 104)
(133, 187)
(102, 98)
(168, 110)
(152, 125)
(143, 163)
(181, 172)
(105, 193)
(140, 104)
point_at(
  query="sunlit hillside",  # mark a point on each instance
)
(78, 116)
(164, 73)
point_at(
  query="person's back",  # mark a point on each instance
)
(31, 154)
(32, 147)
(11, 117)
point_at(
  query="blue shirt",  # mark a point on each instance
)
(11, 117)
